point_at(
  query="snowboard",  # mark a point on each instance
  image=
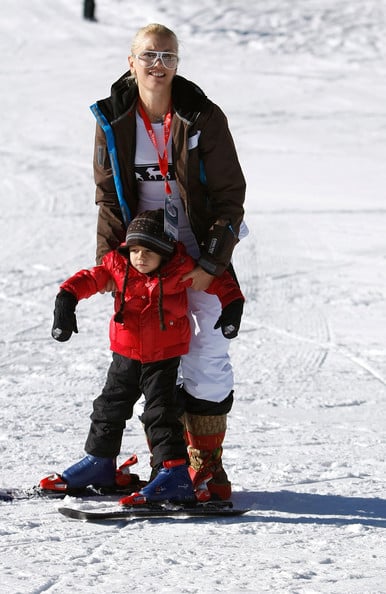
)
(148, 511)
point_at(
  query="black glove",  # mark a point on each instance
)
(64, 316)
(230, 318)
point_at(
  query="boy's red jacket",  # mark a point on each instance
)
(140, 336)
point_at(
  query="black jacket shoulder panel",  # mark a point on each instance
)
(188, 99)
(124, 93)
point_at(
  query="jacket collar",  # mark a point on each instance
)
(188, 99)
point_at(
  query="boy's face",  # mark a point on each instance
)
(143, 259)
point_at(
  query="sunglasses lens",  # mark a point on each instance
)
(169, 60)
(148, 57)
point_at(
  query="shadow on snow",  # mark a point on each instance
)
(311, 508)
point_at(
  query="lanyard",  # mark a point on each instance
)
(162, 159)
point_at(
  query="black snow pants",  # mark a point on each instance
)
(126, 381)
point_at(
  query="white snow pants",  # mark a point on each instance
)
(206, 371)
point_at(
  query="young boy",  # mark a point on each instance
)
(148, 333)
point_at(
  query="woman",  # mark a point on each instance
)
(161, 143)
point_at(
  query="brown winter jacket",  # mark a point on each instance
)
(208, 173)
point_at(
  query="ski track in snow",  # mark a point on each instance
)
(302, 83)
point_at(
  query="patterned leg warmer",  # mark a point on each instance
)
(204, 436)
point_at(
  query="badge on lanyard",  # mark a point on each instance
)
(170, 211)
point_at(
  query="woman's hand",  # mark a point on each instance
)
(199, 278)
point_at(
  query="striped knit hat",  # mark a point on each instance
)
(147, 230)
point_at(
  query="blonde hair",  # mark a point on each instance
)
(152, 29)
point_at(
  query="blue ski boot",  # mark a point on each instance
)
(91, 470)
(172, 483)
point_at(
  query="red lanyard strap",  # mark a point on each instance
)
(162, 159)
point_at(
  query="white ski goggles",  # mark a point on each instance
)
(148, 58)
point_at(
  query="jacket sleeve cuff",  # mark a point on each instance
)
(211, 267)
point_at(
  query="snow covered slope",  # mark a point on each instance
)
(303, 85)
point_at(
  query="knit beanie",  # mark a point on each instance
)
(147, 230)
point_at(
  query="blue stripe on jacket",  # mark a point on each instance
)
(112, 150)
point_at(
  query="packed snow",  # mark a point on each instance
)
(303, 84)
